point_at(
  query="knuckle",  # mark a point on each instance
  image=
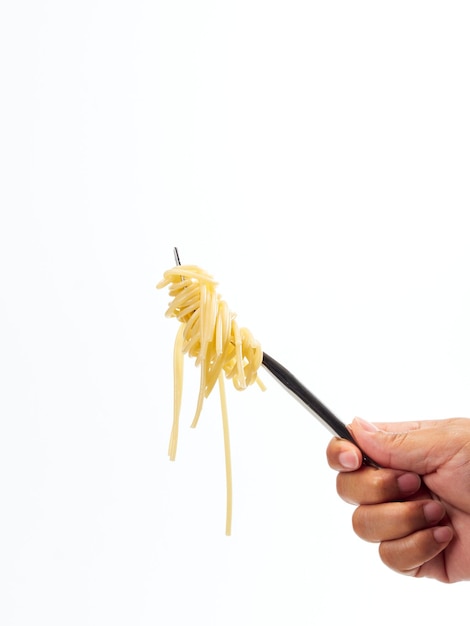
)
(380, 485)
(388, 555)
(366, 486)
(359, 523)
(342, 488)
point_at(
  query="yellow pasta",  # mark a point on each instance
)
(208, 332)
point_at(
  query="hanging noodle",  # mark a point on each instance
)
(209, 333)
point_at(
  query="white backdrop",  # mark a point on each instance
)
(314, 157)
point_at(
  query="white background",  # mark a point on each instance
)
(314, 157)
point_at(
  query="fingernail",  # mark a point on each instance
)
(409, 483)
(433, 512)
(442, 534)
(349, 460)
(367, 426)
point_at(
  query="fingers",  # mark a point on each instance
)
(408, 554)
(423, 447)
(401, 427)
(343, 456)
(358, 484)
(375, 486)
(395, 520)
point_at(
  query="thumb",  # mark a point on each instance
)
(420, 447)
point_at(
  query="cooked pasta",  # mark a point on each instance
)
(208, 332)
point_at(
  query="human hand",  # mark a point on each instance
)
(417, 505)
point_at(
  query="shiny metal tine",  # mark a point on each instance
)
(177, 256)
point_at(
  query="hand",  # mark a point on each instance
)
(417, 506)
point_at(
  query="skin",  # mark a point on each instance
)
(417, 505)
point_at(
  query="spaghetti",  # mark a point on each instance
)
(208, 332)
